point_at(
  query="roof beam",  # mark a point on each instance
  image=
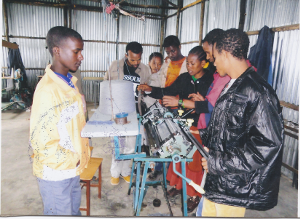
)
(62, 5)
(171, 3)
(144, 6)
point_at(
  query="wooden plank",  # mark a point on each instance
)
(162, 29)
(291, 135)
(289, 105)
(201, 22)
(172, 15)
(190, 42)
(9, 45)
(5, 22)
(178, 16)
(277, 29)
(93, 78)
(91, 41)
(291, 128)
(92, 71)
(65, 16)
(242, 14)
(171, 3)
(191, 5)
(58, 5)
(290, 168)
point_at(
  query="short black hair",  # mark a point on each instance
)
(156, 54)
(171, 41)
(234, 41)
(198, 50)
(210, 38)
(134, 47)
(58, 34)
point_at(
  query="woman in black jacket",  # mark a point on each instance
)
(196, 81)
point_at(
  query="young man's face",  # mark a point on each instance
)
(133, 60)
(220, 61)
(70, 55)
(173, 52)
(208, 50)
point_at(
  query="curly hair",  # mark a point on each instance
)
(156, 54)
(198, 50)
(58, 34)
(210, 38)
(234, 41)
(134, 47)
(171, 41)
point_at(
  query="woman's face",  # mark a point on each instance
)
(155, 64)
(195, 66)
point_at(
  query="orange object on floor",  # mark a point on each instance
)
(194, 172)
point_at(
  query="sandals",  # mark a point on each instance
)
(173, 192)
(192, 203)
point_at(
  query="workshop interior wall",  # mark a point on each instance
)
(28, 26)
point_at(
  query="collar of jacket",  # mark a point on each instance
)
(242, 77)
(237, 82)
(63, 85)
(206, 77)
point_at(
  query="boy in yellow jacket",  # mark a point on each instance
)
(57, 118)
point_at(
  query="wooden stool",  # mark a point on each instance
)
(86, 176)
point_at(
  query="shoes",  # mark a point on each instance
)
(114, 181)
(154, 175)
(173, 192)
(126, 178)
(192, 203)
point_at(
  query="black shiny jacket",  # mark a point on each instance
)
(245, 138)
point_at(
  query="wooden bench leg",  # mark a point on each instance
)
(99, 181)
(88, 193)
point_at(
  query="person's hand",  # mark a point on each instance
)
(170, 101)
(144, 87)
(196, 97)
(204, 161)
(166, 59)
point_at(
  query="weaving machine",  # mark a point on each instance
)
(169, 139)
(169, 134)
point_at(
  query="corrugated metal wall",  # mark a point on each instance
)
(35, 21)
(222, 14)
(171, 21)
(272, 13)
(285, 59)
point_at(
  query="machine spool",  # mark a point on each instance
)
(121, 118)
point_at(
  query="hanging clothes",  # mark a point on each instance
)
(15, 62)
(261, 53)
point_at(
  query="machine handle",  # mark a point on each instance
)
(176, 158)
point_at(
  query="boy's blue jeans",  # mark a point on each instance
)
(61, 197)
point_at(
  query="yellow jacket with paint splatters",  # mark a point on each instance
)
(56, 121)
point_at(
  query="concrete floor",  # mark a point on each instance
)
(20, 195)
